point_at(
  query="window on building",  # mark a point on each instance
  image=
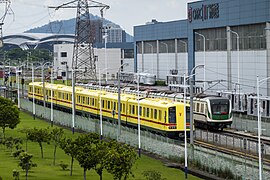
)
(182, 45)
(167, 46)
(63, 54)
(150, 47)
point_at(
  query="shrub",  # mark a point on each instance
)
(63, 165)
(152, 175)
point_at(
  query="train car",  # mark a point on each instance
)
(238, 100)
(165, 117)
(209, 112)
(212, 112)
(264, 106)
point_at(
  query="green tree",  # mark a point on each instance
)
(102, 147)
(70, 148)
(56, 137)
(9, 115)
(120, 159)
(86, 151)
(39, 136)
(26, 163)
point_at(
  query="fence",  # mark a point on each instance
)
(154, 143)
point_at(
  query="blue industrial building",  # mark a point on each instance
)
(230, 37)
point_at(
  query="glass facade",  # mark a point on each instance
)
(251, 37)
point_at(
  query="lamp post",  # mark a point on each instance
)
(185, 127)
(18, 86)
(105, 48)
(238, 56)
(167, 50)
(43, 83)
(52, 96)
(119, 101)
(33, 80)
(100, 104)
(152, 50)
(191, 100)
(204, 83)
(259, 124)
(73, 99)
(184, 42)
(139, 114)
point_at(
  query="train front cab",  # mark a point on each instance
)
(176, 115)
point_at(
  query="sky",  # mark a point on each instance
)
(127, 13)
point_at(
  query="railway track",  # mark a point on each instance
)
(234, 143)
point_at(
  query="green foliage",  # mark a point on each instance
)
(103, 148)
(70, 148)
(152, 175)
(16, 174)
(39, 136)
(63, 165)
(87, 150)
(6, 102)
(56, 137)
(9, 115)
(25, 162)
(120, 159)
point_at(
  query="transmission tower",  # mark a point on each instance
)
(83, 62)
(7, 10)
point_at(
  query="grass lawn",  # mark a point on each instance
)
(46, 170)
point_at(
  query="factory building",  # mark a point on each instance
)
(230, 37)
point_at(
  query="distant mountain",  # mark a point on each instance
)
(68, 27)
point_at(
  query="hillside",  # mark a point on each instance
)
(68, 27)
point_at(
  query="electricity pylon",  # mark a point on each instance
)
(7, 10)
(84, 61)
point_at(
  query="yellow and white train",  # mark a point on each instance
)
(161, 116)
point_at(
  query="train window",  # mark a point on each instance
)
(143, 111)
(53, 94)
(30, 89)
(38, 91)
(202, 108)
(151, 113)
(63, 96)
(267, 108)
(92, 101)
(124, 107)
(59, 95)
(220, 106)
(136, 110)
(66, 96)
(155, 114)
(147, 112)
(83, 100)
(129, 109)
(109, 104)
(263, 104)
(140, 110)
(47, 93)
(103, 103)
(87, 100)
(79, 99)
(70, 97)
(197, 107)
(133, 109)
(114, 105)
(172, 115)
